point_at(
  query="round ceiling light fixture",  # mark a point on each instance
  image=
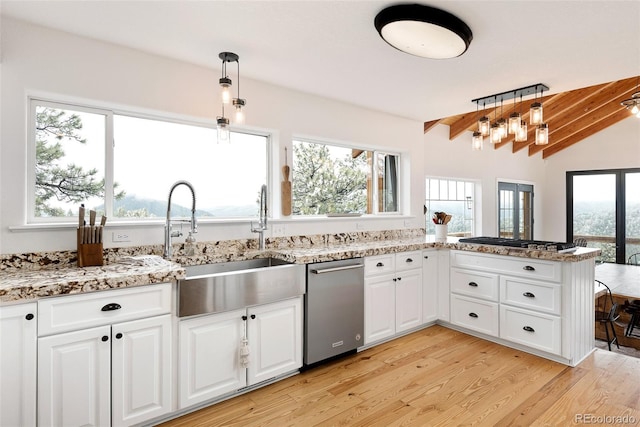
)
(423, 31)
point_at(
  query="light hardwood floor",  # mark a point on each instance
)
(440, 377)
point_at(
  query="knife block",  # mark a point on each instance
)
(89, 254)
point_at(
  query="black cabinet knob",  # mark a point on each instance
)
(244, 318)
(118, 335)
(395, 279)
(105, 338)
(29, 316)
(253, 316)
(426, 257)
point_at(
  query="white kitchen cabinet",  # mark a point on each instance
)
(430, 296)
(74, 378)
(275, 331)
(18, 344)
(117, 373)
(393, 301)
(210, 364)
(209, 357)
(540, 306)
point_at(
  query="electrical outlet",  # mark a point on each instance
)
(278, 230)
(120, 236)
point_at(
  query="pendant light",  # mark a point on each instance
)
(225, 82)
(502, 123)
(633, 104)
(542, 134)
(495, 136)
(484, 125)
(521, 133)
(535, 112)
(477, 138)
(514, 119)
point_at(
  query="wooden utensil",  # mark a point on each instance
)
(286, 187)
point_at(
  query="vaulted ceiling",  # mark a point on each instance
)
(572, 116)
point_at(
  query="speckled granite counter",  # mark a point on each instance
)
(32, 276)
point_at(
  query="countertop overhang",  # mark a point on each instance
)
(20, 285)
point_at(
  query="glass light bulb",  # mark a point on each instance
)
(226, 93)
(476, 141)
(635, 109)
(535, 114)
(542, 134)
(521, 134)
(239, 116)
(514, 123)
(502, 125)
(494, 134)
(484, 125)
(223, 134)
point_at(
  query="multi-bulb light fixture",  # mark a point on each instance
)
(515, 125)
(238, 103)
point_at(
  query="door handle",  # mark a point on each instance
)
(334, 269)
(111, 307)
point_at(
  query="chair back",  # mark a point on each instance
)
(580, 241)
(602, 302)
(634, 259)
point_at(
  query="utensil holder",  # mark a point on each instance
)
(441, 232)
(89, 254)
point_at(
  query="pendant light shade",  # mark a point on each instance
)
(477, 141)
(542, 134)
(535, 114)
(495, 135)
(514, 123)
(223, 129)
(423, 31)
(521, 133)
(222, 122)
(484, 125)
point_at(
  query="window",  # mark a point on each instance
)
(130, 179)
(604, 208)
(328, 179)
(515, 211)
(454, 197)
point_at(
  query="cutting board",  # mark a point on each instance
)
(286, 192)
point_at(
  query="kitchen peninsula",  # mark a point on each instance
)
(482, 290)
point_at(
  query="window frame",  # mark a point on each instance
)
(33, 102)
(373, 171)
(475, 207)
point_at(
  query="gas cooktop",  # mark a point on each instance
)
(520, 243)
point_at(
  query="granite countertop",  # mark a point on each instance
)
(17, 285)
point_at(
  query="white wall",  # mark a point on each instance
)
(43, 61)
(456, 159)
(617, 147)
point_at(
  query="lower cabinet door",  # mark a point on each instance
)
(408, 300)
(74, 378)
(18, 344)
(275, 339)
(478, 315)
(209, 357)
(536, 330)
(379, 308)
(141, 370)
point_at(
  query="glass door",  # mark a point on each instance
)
(632, 215)
(515, 211)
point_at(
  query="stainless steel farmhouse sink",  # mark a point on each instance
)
(218, 287)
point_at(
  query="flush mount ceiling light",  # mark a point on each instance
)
(423, 31)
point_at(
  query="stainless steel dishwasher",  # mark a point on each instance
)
(334, 309)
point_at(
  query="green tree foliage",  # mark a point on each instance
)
(54, 179)
(322, 184)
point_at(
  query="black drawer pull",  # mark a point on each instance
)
(105, 338)
(395, 279)
(29, 316)
(119, 335)
(528, 268)
(112, 306)
(379, 264)
(529, 295)
(253, 316)
(473, 315)
(473, 284)
(426, 257)
(399, 278)
(529, 329)
(408, 260)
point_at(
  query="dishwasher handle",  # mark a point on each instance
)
(334, 269)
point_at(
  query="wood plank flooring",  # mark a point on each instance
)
(440, 377)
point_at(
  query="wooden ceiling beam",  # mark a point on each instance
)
(598, 108)
(586, 132)
(431, 124)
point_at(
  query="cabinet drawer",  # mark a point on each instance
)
(514, 266)
(408, 260)
(379, 265)
(475, 284)
(68, 313)
(536, 330)
(539, 296)
(481, 316)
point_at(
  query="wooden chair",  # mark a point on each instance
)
(634, 259)
(607, 317)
